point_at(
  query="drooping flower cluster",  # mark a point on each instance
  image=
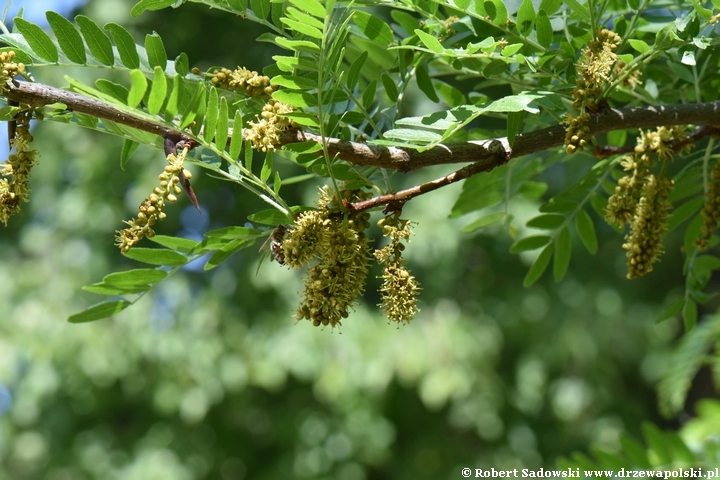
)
(400, 289)
(151, 209)
(265, 134)
(15, 171)
(594, 70)
(711, 209)
(644, 242)
(339, 247)
(641, 197)
(248, 81)
(8, 68)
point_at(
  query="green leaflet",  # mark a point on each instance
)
(302, 17)
(483, 222)
(547, 221)
(586, 231)
(425, 83)
(221, 134)
(182, 64)
(538, 267)
(157, 256)
(496, 11)
(261, 8)
(354, 73)
(429, 41)
(183, 245)
(532, 242)
(125, 45)
(116, 90)
(37, 39)
(211, 116)
(138, 87)
(143, 5)
(100, 311)
(391, 89)
(563, 252)
(684, 364)
(192, 110)
(157, 57)
(313, 7)
(97, 40)
(236, 141)
(268, 217)
(133, 278)
(302, 28)
(172, 107)
(128, 148)
(373, 27)
(68, 37)
(158, 91)
(543, 28)
(231, 233)
(525, 17)
(267, 167)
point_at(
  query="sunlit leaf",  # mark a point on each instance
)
(100, 311)
(125, 45)
(157, 57)
(158, 91)
(97, 40)
(143, 5)
(38, 40)
(138, 87)
(156, 256)
(68, 37)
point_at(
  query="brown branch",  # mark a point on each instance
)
(39, 95)
(406, 160)
(396, 200)
(485, 154)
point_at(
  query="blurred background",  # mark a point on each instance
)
(209, 377)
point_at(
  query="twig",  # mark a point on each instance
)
(485, 154)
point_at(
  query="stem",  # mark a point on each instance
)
(485, 154)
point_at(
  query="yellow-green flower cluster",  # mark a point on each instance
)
(662, 142)
(622, 204)
(242, 79)
(15, 172)
(641, 198)
(644, 242)
(265, 134)
(400, 289)
(8, 68)
(711, 209)
(151, 209)
(594, 70)
(340, 248)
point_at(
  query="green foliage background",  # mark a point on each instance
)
(208, 377)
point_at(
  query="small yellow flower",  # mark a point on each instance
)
(18, 165)
(242, 79)
(151, 209)
(399, 291)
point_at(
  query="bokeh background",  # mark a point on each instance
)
(209, 377)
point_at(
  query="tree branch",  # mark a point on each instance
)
(485, 154)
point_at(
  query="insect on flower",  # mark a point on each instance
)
(275, 241)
